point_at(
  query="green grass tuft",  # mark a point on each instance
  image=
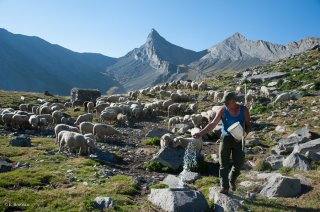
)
(155, 141)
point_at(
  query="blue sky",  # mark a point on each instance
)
(114, 27)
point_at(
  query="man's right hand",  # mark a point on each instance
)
(197, 135)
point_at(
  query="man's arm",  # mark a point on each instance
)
(247, 120)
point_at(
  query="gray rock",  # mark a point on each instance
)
(5, 164)
(103, 156)
(297, 161)
(171, 157)
(188, 176)
(178, 200)
(224, 202)
(302, 132)
(157, 132)
(105, 173)
(286, 145)
(313, 155)
(183, 128)
(313, 145)
(21, 141)
(172, 181)
(102, 203)
(266, 76)
(281, 186)
(275, 161)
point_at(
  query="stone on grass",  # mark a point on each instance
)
(5, 164)
(224, 202)
(105, 173)
(172, 181)
(281, 186)
(171, 157)
(21, 141)
(103, 157)
(102, 203)
(178, 200)
(297, 161)
(275, 161)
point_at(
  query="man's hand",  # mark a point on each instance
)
(197, 135)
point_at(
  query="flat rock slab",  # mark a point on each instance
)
(276, 161)
(266, 76)
(103, 156)
(313, 145)
(297, 161)
(281, 186)
(172, 181)
(224, 202)
(189, 176)
(157, 132)
(178, 200)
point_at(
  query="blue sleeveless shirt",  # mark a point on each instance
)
(228, 120)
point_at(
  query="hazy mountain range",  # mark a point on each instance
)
(32, 64)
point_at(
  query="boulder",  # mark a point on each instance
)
(157, 132)
(313, 145)
(297, 161)
(5, 164)
(302, 132)
(103, 157)
(178, 200)
(104, 173)
(171, 157)
(313, 155)
(189, 176)
(266, 76)
(182, 128)
(172, 181)
(224, 202)
(275, 161)
(21, 141)
(286, 145)
(102, 203)
(283, 97)
(281, 186)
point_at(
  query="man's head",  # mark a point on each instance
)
(229, 97)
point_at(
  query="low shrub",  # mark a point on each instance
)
(156, 166)
(155, 141)
(262, 165)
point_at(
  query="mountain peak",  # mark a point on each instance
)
(154, 35)
(237, 36)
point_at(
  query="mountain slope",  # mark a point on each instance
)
(154, 62)
(237, 52)
(32, 64)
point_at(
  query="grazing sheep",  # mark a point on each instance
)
(48, 117)
(173, 121)
(163, 94)
(7, 119)
(57, 106)
(68, 121)
(176, 108)
(74, 142)
(136, 111)
(44, 110)
(91, 141)
(264, 91)
(122, 119)
(193, 108)
(35, 110)
(108, 115)
(85, 117)
(184, 142)
(90, 107)
(103, 130)
(86, 127)
(194, 85)
(166, 104)
(218, 95)
(34, 121)
(63, 127)
(202, 86)
(100, 107)
(20, 121)
(57, 115)
(166, 140)
(196, 119)
(23, 107)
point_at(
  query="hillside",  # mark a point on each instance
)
(32, 64)
(43, 179)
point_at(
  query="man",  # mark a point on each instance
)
(230, 113)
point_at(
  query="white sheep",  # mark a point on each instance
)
(173, 121)
(122, 119)
(86, 127)
(7, 119)
(108, 115)
(85, 117)
(218, 95)
(194, 85)
(63, 127)
(196, 119)
(202, 86)
(176, 108)
(74, 142)
(166, 140)
(57, 115)
(90, 106)
(20, 121)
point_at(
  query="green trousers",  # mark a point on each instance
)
(228, 146)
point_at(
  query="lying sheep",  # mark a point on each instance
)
(85, 117)
(103, 130)
(63, 127)
(86, 127)
(196, 143)
(74, 142)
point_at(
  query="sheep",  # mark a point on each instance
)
(173, 121)
(63, 127)
(100, 131)
(90, 107)
(91, 141)
(57, 115)
(100, 107)
(34, 121)
(122, 119)
(68, 104)
(166, 140)
(86, 127)
(239, 89)
(23, 107)
(196, 119)
(136, 111)
(68, 121)
(196, 144)
(163, 94)
(85, 117)
(108, 115)
(48, 117)
(264, 91)
(44, 110)
(20, 121)
(202, 86)
(218, 95)
(193, 108)
(35, 109)
(57, 106)
(7, 119)
(176, 108)
(175, 97)
(74, 142)
(194, 85)
(166, 104)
